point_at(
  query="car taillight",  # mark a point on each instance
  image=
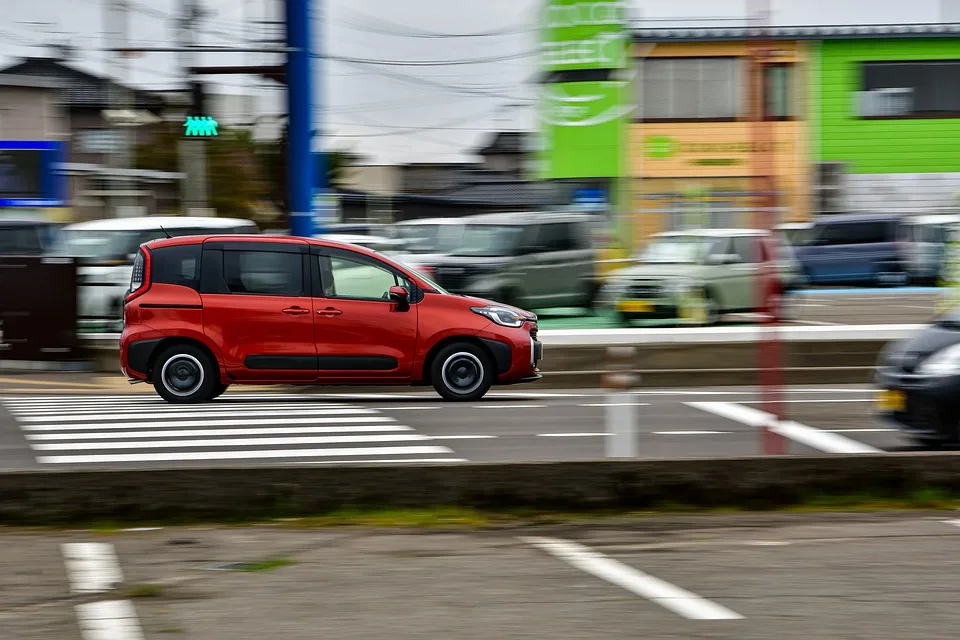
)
(140, 278)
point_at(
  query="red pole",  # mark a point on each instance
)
(763, 134)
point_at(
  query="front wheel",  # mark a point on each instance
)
(219, 390)
(461, 372)
(185, 374)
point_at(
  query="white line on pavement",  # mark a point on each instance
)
(388, 461)
(569, 435)
(111, 417)
(682, 602)
(955, 523)
(211, 433)
(203, 423)
(509, 406)
(226, 442)
(878, 430)
(92, 567)
(809, 401)
(478, 437)
(687, 433)
(109, 620)
(244, 455)
(809, 436)
(425, 407)
(165, 409)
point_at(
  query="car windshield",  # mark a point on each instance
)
(677, 250)
(429, 238)
(102, 245)
(489, 240)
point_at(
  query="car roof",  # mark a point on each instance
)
(844, 218)
(152, 223)
(935, 218)
(261, 239)
(712, 233)
(790, 226)
(526, 217)
(422, 221)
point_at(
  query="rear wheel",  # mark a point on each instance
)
(461, 372)
(185, 374)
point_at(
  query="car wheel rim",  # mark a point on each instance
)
(182, 375)
(462, 373)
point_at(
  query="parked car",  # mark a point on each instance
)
(428, 240)
(204, 313)
(857, 249)
(702, 272)
(26, 237)
(919, 380)
(105, 250)
(389, 246)
(928, 237)
(533, 260)
(796, 234)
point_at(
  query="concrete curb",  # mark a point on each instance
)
(227, 494)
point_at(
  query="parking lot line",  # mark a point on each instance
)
(109, 620)
(92, 567)
(809, 436)
(682, 602)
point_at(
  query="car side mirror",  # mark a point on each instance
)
(400, 296)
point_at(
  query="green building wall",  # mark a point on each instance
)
(879, 146)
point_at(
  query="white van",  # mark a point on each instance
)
(105, 250)
(927, 237)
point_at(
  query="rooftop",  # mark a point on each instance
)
(809, 32)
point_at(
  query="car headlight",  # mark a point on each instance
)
(945, 362)
(501, 315)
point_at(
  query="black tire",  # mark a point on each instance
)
(591, 291)
(185, 374)
(712, 311)
(461, 372)
(218, 391)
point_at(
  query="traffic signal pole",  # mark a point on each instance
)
(300, 164)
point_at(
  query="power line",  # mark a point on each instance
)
(429, 63)
(395, 29)
(465, 90)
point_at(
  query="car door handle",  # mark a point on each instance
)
(295, 311)
(329, 311)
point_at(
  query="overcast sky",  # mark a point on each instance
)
(392, 113)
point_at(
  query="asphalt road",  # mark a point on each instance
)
(140, 430)
(746, 577)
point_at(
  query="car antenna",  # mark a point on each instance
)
(166, 233)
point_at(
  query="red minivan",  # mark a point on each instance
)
(206, 312)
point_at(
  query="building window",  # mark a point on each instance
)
(778, 103)
(681, 89)
(920, 89)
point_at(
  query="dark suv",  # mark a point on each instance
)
(25, 237)
(856, 249)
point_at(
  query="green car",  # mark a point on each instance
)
(695, 276)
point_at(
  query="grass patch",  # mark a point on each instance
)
(266, 565)
(145, 591)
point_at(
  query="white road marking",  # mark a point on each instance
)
(111, 417)
(422, 408)
(509, 406)
(477, 437)
(687, 433)
(809, 401)
(244, 455)
(227, 442)
(809, 436)
(92, 567)
(955, 523)
(165, 409)
(616, 404)
(211, 433)
(388, 461)
(204, 423)
(878, 430)
(109, 620)
(682, 602)
(569, 435)
(817, 323)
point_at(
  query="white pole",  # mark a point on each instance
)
(620, 409)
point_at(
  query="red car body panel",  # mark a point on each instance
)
(392, 342)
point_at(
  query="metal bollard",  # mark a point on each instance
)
(620, 408)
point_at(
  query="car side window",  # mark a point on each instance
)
(357, 279)
(178, 265)
(721, 247)
(557, 236)
(746, 248)
(263, 273)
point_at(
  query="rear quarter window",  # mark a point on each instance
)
(177, 265)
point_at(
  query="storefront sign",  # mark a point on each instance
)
(580, 34)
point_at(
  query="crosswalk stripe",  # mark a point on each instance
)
(228, 442)
(240, 408)
(113, 417)
(244, 455)
(210, 433)
(201, 423)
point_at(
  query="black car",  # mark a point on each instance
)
(919, 380)
(25, 237)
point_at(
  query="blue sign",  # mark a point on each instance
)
(30, 175)
(590, 199)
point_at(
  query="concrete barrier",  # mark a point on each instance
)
(60, 498)
(681, 357)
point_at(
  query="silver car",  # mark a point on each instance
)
(697, 275)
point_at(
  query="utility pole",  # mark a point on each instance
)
(300, 159)
(118, 104)
(193, 159)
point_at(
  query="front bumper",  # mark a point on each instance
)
(921, 407)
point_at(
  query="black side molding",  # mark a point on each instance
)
(502, 353)
(356, 363)
(284, 363)
(139, 353)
